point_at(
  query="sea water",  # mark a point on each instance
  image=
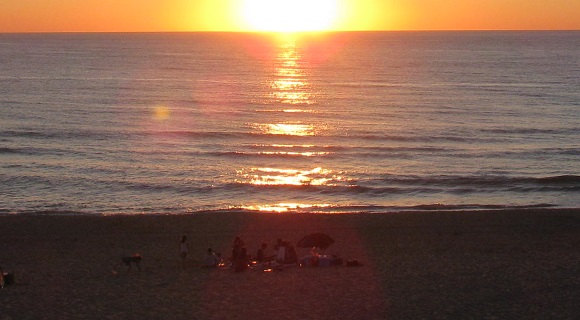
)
(341, 122)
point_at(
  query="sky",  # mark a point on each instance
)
(285, 15)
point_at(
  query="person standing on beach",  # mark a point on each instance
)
(183, 250)
(236, 248)
(242, 261)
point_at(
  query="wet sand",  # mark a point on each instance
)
(520, 264)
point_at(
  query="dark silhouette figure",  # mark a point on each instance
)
(261, 254)
(242, 261)
(236, 248)
(132, 260)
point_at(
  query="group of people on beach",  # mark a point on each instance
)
(284, 253)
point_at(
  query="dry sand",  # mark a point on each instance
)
(435, 265)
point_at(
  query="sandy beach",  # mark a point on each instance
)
(516, 264)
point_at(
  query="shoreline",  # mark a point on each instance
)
(417, 209)
(435, 264)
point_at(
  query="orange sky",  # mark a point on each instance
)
(224, 15)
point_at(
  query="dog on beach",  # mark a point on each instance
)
(129, 262)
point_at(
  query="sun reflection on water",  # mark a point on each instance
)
(290, 129)
(287, 177)
(291, 150)
(288, 90)
(283, 207)
(273, 176)
(291, 85)
(297, 111)
(291, 153)
(289, 99)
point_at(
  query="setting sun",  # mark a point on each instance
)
(290, 16)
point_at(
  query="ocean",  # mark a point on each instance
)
(173, 123)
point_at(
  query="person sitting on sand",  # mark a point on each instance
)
(261, 254)
(312, 259)
(291, 255)
(211, 260)
(280, 251)
(314, 252)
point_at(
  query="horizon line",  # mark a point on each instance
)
(296, 32)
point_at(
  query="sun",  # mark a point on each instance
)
(290, 15)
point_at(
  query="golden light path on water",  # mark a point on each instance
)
(284, 207)
(289, 177)
(291, 90)
(290, 129)
(291, 87)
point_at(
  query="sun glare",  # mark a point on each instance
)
(290, 15)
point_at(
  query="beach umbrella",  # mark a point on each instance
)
(319, 240)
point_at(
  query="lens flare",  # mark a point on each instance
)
(161, 113)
